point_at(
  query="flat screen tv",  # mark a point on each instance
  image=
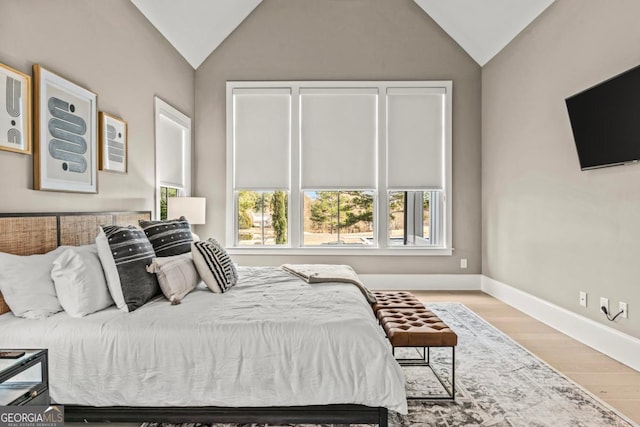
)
(605, 120)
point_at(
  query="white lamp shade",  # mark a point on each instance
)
(192, 208)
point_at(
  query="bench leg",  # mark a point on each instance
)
(426, 361)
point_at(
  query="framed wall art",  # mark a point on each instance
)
(113, 150)
(65, 152)
(15, 114)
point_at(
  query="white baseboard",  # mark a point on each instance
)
(615, 344)
(422, 282)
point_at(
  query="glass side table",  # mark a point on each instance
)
(24, 380)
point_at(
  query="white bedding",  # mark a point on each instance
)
(272, 340)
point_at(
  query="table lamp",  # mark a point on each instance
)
(192, 208)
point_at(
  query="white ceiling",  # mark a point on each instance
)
(197, 29)
(481, 27)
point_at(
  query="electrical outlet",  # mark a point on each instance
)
(583, 299)
(463, 263)
(604, 302)
(623, 308)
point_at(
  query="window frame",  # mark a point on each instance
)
(295, 227)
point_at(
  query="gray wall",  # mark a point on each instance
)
(548, 228)
(344, 40)
(110, 48)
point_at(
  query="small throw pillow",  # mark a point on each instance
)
(80, 282)
(26, 284)
(169, 238)
(176, 275)
(214, 265)
(124, 254)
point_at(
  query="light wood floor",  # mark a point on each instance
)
(611, 381)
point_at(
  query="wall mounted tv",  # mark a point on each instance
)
(605, 120)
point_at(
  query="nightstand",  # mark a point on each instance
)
(25, 380)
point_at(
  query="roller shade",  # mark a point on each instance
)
(171, 154)
(338, 131)
(261, 138)
(415, 138)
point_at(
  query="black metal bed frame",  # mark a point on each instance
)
(321, 414)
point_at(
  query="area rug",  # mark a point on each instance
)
(498, 383)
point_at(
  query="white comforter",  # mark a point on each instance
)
(272, 340)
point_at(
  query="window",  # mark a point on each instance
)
(414, 218)
(260, 172)
(338, 218)
(262, 218)
(357, 164)
(338, 154)
(165, 193)
(173, 155)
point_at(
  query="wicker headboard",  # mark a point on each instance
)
(38, 233)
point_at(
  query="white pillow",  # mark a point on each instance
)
(26, 284)
(176, 275)
(110, 270)
(79, 281)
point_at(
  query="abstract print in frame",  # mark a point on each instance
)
(65, 152)
(113, 151)
(15, 116)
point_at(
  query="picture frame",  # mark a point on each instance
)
(113, 153)
(15, 117)
(65, 154)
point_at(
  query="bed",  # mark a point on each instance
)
(274, 349)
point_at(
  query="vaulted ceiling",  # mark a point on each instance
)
(481, 27)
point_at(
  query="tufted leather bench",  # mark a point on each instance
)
(395, 299)
(411, 327)
(419, 327)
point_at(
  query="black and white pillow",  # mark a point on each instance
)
(169, 238)
(124, 253)
(214, 265)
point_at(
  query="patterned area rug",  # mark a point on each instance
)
(498, 383)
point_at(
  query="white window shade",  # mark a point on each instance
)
(261, 138)
(415, 138)
(338, 131)
(171, 154)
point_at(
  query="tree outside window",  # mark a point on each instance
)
(338, 218)
(262, 217)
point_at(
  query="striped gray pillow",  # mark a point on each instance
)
(214, 265)
(169, 238)
(176, 275)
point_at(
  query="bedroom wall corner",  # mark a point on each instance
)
(550, 229)
(111, 49)
(354, 40)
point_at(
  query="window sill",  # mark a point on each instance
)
(348, 251)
